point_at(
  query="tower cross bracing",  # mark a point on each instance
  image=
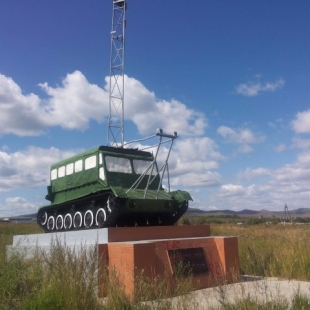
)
(116, 92)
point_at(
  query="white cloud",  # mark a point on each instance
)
(290, 183)
(251, 173)
(203, 179)
(298, 171)
(270, 188)
(252, 89)
(17, 205)
(245, 149)
(239, 136)
(28, 168)
(287, 184)
(301, 143)
(301, 123)
(75, 102)
(191, 161)
(238, 197)
(201, 204)
(148, 113)
(278, 123)
(243, 137)
(22, 115)
(280, 148)
(190, 150)
(229, 190)
(304, 159)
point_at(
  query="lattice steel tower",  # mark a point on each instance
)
(116, 94)
(287, 216)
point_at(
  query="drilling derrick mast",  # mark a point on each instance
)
(116, 93)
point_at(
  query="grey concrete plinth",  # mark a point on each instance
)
(74, 240)
(113, 234)
(89, 237)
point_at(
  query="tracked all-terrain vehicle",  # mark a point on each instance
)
(109, 186)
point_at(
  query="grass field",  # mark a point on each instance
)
(271, 250)
(65, 281)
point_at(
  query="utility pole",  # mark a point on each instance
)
(287, 216)
(116, 93)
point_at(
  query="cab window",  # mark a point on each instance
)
(118, 164)
(140, 167)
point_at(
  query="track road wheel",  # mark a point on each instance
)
(101, 217)
(68, 221)
(88, 219)
(51, 223)
(59, 222)
(77, 220)
(43, 218)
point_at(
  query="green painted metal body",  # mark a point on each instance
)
(113, 171)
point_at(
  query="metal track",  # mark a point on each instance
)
(57, 208)
(171, 220)
(114, 204)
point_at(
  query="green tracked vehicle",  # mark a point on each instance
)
(109, 186)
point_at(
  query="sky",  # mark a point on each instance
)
(231, 77)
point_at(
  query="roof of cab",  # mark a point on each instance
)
(105, 149)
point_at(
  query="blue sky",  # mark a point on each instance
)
(232, 77)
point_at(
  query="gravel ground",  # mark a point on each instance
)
(260, 289)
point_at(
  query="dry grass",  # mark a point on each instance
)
(68, 279)
(271, 250)
(65, 280)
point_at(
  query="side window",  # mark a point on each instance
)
(101, 173)
(90, 162)
(61, 171)
(100, 159)
(69, 169)
(78, 166)
(54, 174)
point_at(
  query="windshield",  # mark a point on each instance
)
(140, 166)
(118, 164)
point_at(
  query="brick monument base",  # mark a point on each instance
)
(156, 252)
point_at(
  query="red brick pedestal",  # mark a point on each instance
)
(156, 251)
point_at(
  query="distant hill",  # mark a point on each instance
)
(247, 212)
(301, 212)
